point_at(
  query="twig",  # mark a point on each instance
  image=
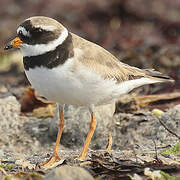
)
(135, 154)
(155, 148)
(170, 131)
(3, 170)
(156, 157)
(109, 144)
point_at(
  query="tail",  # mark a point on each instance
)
(157, 76)
(148, 76)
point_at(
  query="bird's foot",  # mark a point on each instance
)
(80, 158)
(55, 157)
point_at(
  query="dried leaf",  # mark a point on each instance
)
(54, 165)
(32, 100)
(146, 100)
(25, 164)
(24, 176)
(154, 175)
(44, 112)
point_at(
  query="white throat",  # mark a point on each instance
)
(38, 49)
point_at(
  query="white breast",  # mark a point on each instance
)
(66, 85)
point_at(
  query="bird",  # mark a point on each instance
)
(68, 69)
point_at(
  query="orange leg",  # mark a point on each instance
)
(55, 157)
(89, 136)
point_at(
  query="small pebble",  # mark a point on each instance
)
(157, 112)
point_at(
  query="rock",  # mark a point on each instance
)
(15, 142)
(9, 106)
(140, 130)
(127, 129)
(77, 120)
(9, 119)
(172, 120)
(69, 173)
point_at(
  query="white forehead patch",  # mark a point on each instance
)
(46, 28)
(23, 30)
(38, 49)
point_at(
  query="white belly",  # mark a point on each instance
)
(68, 86)
(78, 85)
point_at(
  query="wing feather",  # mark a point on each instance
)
(104, 63)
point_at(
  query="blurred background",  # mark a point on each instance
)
(142, 33)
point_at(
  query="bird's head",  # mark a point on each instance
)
(38, 35)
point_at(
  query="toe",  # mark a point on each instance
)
(51, 160)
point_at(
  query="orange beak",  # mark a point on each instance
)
(15, 43)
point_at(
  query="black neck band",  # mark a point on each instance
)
(53, 58)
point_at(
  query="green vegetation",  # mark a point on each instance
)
(175, 150)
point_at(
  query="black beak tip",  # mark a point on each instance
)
(8, 47)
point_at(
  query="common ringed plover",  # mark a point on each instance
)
(68, 69)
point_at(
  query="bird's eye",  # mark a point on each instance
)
(20, 33)
(39, 30)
